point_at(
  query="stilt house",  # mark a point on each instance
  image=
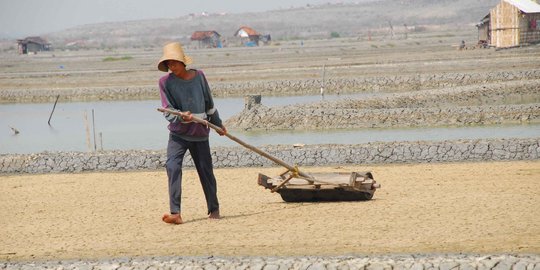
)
(511, 23)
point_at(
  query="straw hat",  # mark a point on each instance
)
(173, 51)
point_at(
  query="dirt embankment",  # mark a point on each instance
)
(420, 62)
(484, 104)
(385, 84)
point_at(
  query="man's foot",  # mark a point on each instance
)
(172, 218)
(214, 215)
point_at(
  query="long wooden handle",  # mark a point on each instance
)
(248, 146)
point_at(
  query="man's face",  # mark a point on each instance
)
(175, 66)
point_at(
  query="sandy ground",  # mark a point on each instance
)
(421, 208)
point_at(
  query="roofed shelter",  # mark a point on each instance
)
(32, 45)
(248, 35)
(207, 39)
(511, 23)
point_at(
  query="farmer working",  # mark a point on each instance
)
(187, 91)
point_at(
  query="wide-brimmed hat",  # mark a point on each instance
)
(173, 51)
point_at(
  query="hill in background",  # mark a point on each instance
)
(377, 18)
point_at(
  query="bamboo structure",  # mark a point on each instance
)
(514, 23)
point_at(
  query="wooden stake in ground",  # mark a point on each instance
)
(94, 129)
(323, 82)
(101, 141)
(49, 122)
(85, 116)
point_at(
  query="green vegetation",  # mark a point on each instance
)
(334, 34)
(123, 58)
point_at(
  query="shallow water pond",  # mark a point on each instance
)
(126, 125)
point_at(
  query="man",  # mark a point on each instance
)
(187, 91)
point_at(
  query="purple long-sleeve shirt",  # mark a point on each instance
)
(188, 95)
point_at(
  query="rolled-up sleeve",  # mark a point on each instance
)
(211, 111)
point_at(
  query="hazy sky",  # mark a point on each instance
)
(20, 18)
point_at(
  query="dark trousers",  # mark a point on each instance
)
(202, 158)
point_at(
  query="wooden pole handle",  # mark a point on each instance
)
(248, 146)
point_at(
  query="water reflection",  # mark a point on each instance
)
(137, 125)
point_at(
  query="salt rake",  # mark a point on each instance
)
(296, 186)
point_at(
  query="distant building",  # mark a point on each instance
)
(248, 36)
(207, 39)
(511, 23)
(32, 45)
